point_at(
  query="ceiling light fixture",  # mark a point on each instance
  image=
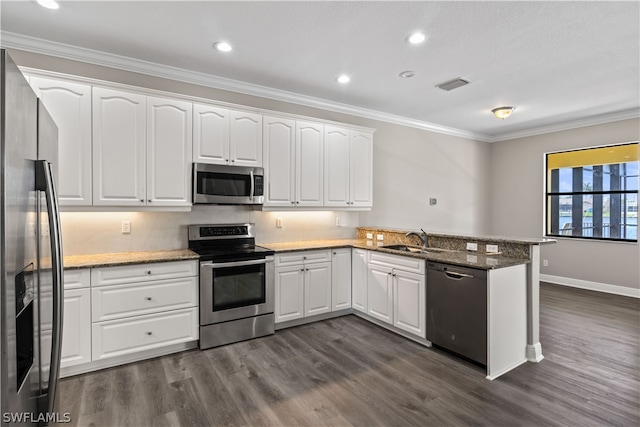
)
(223, 46)
(344, 79)
(406, 74)
(416, 38)
(503, 112)
(49, 4)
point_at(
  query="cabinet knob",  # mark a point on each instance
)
(233, 161)
(302, 269)
(148, 271)
(141, 200)
(149, 201)
(226, 160)
(148, 298)
(297, 202)
(292, 202)
(149, 333)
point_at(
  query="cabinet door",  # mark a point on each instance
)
(289, 293)
(409, 302)
(380, 293)
(317, 288)
(341, 279)
(279, 161)
(359, 280)
(169, 158)
(246, 138)
(336, 167)
(76, 333)
(70, 106)
(361, 169)
(210, 134)
(309, 164)
(119, 160)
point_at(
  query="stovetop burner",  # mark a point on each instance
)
(225, 242)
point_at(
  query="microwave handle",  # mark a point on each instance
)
(253, 186)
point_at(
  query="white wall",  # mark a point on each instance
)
(518, 188)
(411, 165)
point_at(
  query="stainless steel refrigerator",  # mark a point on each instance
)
(31, 299)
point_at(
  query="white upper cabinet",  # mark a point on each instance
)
(348, 168)
(70, 106)
(226, 137)
(119, 155)
(141, 149)
(279, 161)
(309, 164)
(169, 144)
(211, 134)
(336, 171)
(245, 133)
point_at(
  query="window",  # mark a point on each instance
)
(593, 193)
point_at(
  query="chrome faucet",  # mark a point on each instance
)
(424, 238)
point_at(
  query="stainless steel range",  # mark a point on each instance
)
(236, 284)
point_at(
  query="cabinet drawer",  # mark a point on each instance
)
(118, 301)
(120, 337)
(76, 279)
(292, 258)
(414, 265)
(142, 272)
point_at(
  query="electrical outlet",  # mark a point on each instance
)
(126, 227)
(545, 263)
(369, 236)
(380, 237)
(492, 248)
(472, 246)
(338, 222)
(279, 222)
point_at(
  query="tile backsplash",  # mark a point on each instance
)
(101, 232)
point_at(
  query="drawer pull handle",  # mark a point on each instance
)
(149, 333)
(148, 298)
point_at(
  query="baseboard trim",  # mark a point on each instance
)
(592, 286)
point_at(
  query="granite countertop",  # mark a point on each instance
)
(462, 258)
(125, 258)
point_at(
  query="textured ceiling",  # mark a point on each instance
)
(556, 62)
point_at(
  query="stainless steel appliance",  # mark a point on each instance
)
(457, 310)
(30, 254)
(236, 284)
(227, 185)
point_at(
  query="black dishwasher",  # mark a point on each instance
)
(457, 310)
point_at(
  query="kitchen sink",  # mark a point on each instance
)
(414, 249)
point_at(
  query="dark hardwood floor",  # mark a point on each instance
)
(346, 371)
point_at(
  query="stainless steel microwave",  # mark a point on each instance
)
(227, 185)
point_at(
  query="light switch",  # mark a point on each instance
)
(279, 222)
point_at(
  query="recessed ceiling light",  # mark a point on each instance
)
(344, 79)
(406, 74)
(49, 4)
(223, 46)
(416, 38)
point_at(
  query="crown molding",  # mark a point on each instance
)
(61, 50)
(573, 124)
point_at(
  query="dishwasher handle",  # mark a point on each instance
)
(457, 276)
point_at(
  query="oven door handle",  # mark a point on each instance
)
(234, 263)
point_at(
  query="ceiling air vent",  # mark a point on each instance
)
(452, 84)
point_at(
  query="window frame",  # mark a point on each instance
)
(548, 194)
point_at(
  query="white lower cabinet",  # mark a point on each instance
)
(302, 284)
(340, 279)
(124, 310)
(359, 259)
(396, 292)
(142, 307)
(139, 333)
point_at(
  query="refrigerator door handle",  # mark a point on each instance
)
(44, 182)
